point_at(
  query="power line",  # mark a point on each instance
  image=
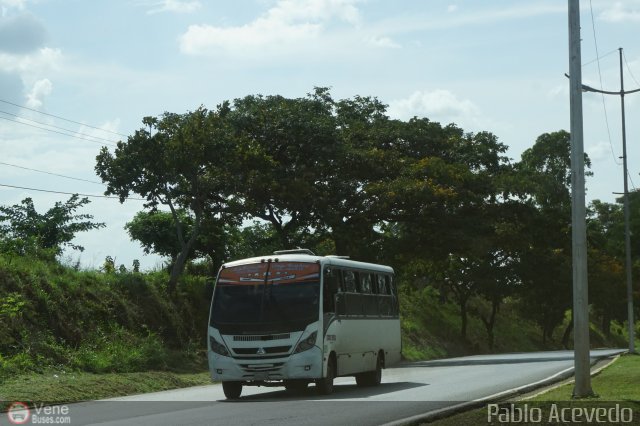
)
(58, 127)
(53, 174)
(62, 118)
(604, 106)
(631, 179)
(69, 193)
(599, 57)
(55, 131)
(629, 68)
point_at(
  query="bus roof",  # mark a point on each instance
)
(322, 260)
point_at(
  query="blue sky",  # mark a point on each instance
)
(491, 65)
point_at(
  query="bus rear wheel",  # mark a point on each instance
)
(232, 390)
(371, 378)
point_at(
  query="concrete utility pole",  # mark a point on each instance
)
(582, 363)
(627, 232)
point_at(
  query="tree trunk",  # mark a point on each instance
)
(489, 323)
(340, 241)
(185, 248)
(567, 333)
(606, 325)
(463, 317)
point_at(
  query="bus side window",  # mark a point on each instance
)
(389, 284)
(330, 289)
(365, 283)
(340, 295)
(349, 282)
(381, 285)
(394, 293)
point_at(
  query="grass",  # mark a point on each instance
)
(617, 384)
(58, 388)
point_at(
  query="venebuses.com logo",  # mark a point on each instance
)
(18, 413)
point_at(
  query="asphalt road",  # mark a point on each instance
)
(406, 391)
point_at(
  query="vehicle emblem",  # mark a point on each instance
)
(261, 351)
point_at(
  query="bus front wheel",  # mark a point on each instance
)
(232, 390)
(324, 386)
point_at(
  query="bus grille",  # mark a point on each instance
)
(254, 368)
(261, 338)
(267, 351)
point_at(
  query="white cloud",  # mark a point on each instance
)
(5, 5)
(17, 4)
(452, 8)
(288, 23)
(289, 11)
(621, 12)
(33, 69)
(43, 60)
(440, 105)
(385, 42)
(482, 16)
(40, 89)
(175, 6)
(103, 131)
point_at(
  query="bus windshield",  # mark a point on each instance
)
(266, 297)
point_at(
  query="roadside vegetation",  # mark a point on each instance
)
(481, 243)
(71, 335)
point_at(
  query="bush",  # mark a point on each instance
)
(120, 351)
(55, 316)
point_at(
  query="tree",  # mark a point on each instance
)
(156, 232)
(287, 147)
(543, 182)
(184, 164)
(607, 285)
(53, 230)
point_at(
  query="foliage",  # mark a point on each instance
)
(51, 315)
(183, 165)
(543, 179)
(25, 231)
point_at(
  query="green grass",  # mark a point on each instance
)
(58, 387)
(616, 384)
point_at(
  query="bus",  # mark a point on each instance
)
(294, 318)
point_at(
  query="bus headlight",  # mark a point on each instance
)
(307, 343)
(218, 347)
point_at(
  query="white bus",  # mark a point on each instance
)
(293, 318)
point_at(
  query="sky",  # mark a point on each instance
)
(76, 75)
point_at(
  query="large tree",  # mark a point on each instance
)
(183, 161)
(543, 179)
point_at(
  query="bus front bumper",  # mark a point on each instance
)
(303, 365)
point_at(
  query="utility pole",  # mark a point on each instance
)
(582, 364)
(627, 232)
